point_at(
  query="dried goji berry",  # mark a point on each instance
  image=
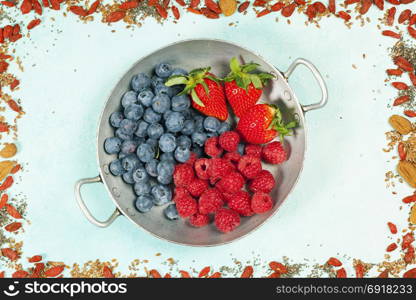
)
(12, 227)
(8, 3)
(392, 34)
(278, 267)
(334, 262)
(55, 4)
(175, 12)
(20, 274)
(274, 275)
(93, 7)
(311, 12)
(4, 127)
(215, 275)
(344, 15)
(403, 63)
(194, 11)
(348, 2)
(14, 106)
(379, 4)
(332, 6)
(16, 37)
(300, 2)
(2, 274)
(320, 7)
(410, 274)
(209, 13)
(3, 200)
(107, 273)
(394, 72)
(409, 256)
(212, 5)
(384, 274)
(412, 20)
(115, 16)
(181, 2)
(263, 13)
(12, 211)
(26, 6)
(365, 6)
(10, 254)
(411, 31)
(401, 100)
(408, 239)
(359, 270)
(15, 83)
(204, 272)
(391, 247)
(167, 275)
(260, 3)
(394, 2)
(247, 272)
(1, 36)
(402, 156)
(37, 271)
(243, 6)
(184, 274)
(288, 10)
(400, 85)
(129, 4)
(35, 258)
(341, 273)
(78, 10)
(54, 271)
(8, 31)
(404, 16)
(406, 1)
(410, 113)
(161, 11)
(37, 7)
(194, 3)
(32, 24)
(45, 3)
(166, 4)
(391, 13)
(6, 183)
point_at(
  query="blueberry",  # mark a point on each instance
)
(199, 138)
(163, 70)
(153, 143)
(121, 155)
(128, 126)
(116, 168)
(187, 114)
(199, 123)
(128, 177)
(129, 146)
(155, 130)
(211, 134)
(142, 129)
(182, 154)
(144, 203)
(241, 148)
(161, 103)
(167, 142)
(129, 98)
(116, 118)
(131, 162)
(188, 127)
(157, 80)
(180, 103)
(145, 97)
(140, 82)
(151, 167)
(112, 145)
(165, 168)
(133, 112)
(183, 141)
(162, 194)
(211, 124)
(162, 89)
(142, 188)
(166, 114)
(150, 116)
(167, 156)
(122, 135)
(198, 150)
(145, 152)
(171, 212)
(224, 127)
(179, 71)
(175, 122)
(164, 179)
(140, 175)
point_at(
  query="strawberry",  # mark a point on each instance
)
(206, 92)
(262, 123)
(242, 87)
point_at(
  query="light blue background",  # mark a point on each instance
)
(340, 206)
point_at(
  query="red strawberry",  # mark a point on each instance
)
(242, 87)
(262, 123)
(206, 92)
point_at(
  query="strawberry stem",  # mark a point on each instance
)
(279, 125)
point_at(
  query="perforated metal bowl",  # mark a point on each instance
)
(188, 55)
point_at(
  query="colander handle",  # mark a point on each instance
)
(319, 79)
(85, 209)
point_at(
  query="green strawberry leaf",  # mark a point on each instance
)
(205, 86)
(235, 65)
(250, 67)
(256, 81)
(264, 77)
(176, 79)
(196, 99)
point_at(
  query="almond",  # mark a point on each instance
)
(407, 170)
(228, 7)
(400, 124)
(9, 150)
(5, 168)
(412, 218)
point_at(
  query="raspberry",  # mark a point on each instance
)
(264, 182)
(227, 197)
(180, 192)
(210, 201)
(212, 148)
(202, 168)
(249, 166)
(226, 220)
(186, 206)
(229, 141)
(274, 153)
(241, 203)
(183, 175)
(231, 182)
(254, 150)
(199, 220)
(261, 202)
(197, 187)
(192, 159)
(232, 157)
(218, 168)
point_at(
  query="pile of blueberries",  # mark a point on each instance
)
(155, 129)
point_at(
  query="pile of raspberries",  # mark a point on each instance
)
(216, 186)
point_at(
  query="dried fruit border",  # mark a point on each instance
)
(397, 21)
